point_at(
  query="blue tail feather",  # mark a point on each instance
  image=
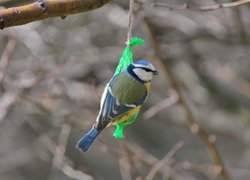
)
(86, 141)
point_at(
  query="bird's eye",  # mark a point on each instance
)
(147, 70)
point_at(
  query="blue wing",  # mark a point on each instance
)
(111, 107)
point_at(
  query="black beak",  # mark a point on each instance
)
(155, 72)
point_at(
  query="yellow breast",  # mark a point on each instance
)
(148, 86)
(125, 117)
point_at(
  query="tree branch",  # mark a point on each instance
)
(186, 6)
(46, 9)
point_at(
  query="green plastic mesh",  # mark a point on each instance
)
(125, 61)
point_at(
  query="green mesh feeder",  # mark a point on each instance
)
(125, 61)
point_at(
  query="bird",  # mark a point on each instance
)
(122, 97)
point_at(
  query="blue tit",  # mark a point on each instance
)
(121, 99)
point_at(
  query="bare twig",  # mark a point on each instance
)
(144, 156)
(232, 78)
(208, 170)
(9, 98)
(46, 9)
(65, 167)
(60, 160)
(75, 174)
(127, 156)
(161, 105)
(186, 6)
(6, 56)
(163, 161)
(61, 147)
(190, 118)
(124, 163)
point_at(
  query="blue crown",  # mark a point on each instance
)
(143, 62)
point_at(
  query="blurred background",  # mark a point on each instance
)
(53, 72)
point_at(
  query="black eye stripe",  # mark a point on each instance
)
(146, 69)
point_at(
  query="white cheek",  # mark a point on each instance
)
(143, 75)
(148, 76)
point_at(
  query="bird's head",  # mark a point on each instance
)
(144, 70)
